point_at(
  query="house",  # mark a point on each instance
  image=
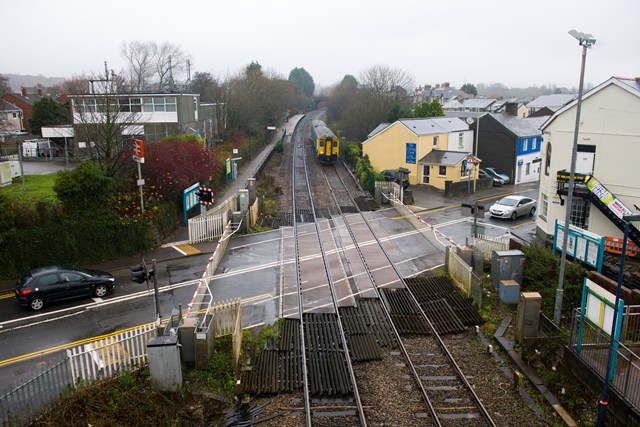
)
(434, 150)
(511, 145)
(152, 115)
(442, 92)
(552, 102)
(10, 117)
(608, 148)
(469, 104)
(24, 101)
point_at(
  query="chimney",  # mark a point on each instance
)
(39, 91)
(23, 91)
(445, 84)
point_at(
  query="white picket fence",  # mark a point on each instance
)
(80, 365)
(110, 356)
(488, 244)
(464, 277)
(211, 225)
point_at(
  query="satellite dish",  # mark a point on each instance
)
(469, 120)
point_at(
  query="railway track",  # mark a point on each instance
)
(326, 345)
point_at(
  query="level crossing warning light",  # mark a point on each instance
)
(205, 196)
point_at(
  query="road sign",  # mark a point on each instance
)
(138, 150)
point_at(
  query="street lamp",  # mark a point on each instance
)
(602, 404)
(586, 41)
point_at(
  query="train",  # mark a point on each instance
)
(326, 144)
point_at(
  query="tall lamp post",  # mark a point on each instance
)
(586, 41)
(602, 404)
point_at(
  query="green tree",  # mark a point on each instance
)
(303, 81)
(205, 85)
(470, 89)
(398, 112)
(84, 189)
(429, 109)
(5, 87)
(48, 112)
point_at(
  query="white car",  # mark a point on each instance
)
(513, 207)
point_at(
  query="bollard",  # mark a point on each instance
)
(490, 349)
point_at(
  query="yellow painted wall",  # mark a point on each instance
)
(387, 149)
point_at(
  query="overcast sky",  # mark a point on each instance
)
(517, 43)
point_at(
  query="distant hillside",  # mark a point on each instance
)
(18, 80)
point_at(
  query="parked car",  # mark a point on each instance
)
(496, 181)
(513, 207)
(45, 285)
(399, 177)
(492, 172)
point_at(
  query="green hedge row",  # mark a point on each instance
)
(79, 242)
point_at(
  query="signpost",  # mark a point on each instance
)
(138, 156)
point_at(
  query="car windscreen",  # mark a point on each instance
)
(508, 201)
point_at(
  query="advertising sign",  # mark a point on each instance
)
(190, 199)
(411, 153)
(605, 196)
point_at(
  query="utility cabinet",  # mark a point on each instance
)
(506, 265)
(164, 363)
(528, 316)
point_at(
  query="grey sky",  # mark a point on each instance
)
(517, 43)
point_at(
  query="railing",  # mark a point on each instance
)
(108, 357)
(489, 244)
(82, 364)
(594, 351)
(254, 212)
(630, 333)
(389, 191)
(210, 226)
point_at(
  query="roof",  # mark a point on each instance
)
(7, 106)
(378, 129)
(481, 103)
(434, 125)
(444, 158)
(521, 127)
(554, 102)
(631, 85)
(29, 99)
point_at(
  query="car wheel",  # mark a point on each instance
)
(100, 290)
(514, 215)
(533, 212)
(36, 304)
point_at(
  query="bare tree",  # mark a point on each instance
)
(5, 87)
(169, 60)
(106, 119)
(140, 60)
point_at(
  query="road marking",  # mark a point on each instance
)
(186, 249)
(8, 295)
(97, 299)
(523, 224)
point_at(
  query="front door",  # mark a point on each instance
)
(425, 173)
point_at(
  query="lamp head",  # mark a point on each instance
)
(584, 39)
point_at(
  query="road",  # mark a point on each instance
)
(250, 270)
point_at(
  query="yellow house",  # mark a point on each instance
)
(434, 150)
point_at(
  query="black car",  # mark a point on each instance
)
(399, 177)
(45, 285)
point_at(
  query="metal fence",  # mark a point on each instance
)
(79, 365)
(592, 344)
(389, 192)
(211, 225)
(488, 244)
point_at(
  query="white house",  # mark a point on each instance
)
(608, 150)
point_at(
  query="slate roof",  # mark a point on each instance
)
(480, 103)
(378, 129)
(634, 83)
(521, 127)
(434, 125)
(7, 106)
(29, 99)
(444, 158)
(553, 102)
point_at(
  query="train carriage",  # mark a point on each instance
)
(327, 145)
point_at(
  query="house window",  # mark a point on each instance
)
(88, 105)
(464, 172)
(547, 159)
(435, 141)
(15, 115)
(525, 144)
(527, 169)
(579, 215)
(3, 116)
(534, 144)
(442, 171)
(545, 207)
(460, 141)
